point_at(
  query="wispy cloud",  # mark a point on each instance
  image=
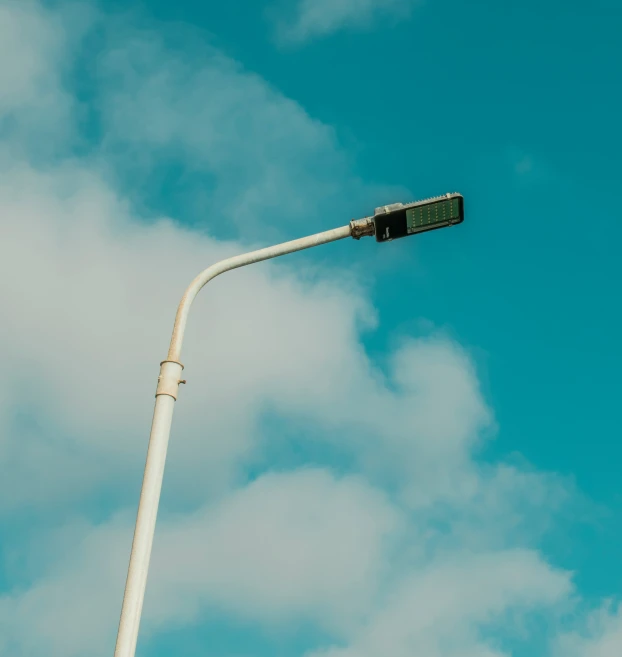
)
(318, 18)
(599, 635)
(439, 611)
(247, 154)
(36, 51)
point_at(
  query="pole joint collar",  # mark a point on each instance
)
(170, 378)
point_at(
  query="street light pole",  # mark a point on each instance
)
(166, 394)
(389, 222)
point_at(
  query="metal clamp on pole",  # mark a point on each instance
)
(170, 378)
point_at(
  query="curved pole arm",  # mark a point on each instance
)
(170, 369)
(235, 262)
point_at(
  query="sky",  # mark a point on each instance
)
(407, 449)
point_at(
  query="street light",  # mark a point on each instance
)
(399, 220)
(389, 222)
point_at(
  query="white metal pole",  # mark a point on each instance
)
(166, 394)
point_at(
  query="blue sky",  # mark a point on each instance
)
(410, 448)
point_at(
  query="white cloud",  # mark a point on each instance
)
(317, 18)
(35, 52)
(601, 635)
(299, 544)
(288, 545)
(251, 158)
(440, 611)
(71, 610)
(29, 76)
